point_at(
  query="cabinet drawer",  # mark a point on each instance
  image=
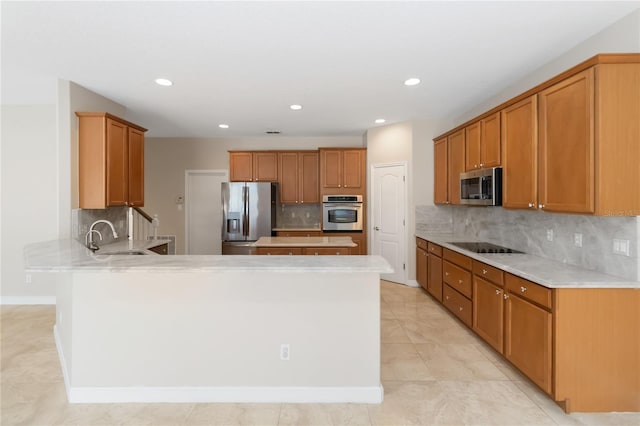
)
(435, 249)
(459, 305)
(528, 290)
(326, 251)
(489, 273)
(457, 258)
(279, 251)
(421, 243)
(458, 278)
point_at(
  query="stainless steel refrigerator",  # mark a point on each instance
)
(248, 213)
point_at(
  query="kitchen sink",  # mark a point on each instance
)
(483, 247)
(125, 252)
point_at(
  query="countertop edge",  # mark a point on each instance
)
(591, 279)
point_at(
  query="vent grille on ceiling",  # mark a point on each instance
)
(273, 132)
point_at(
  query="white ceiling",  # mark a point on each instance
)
(244, 63)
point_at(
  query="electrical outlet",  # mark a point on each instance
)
(549, 234)
(621, 247)
(284, 352)
(577, 239)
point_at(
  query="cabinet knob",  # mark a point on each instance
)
(446, 297)
(497, 291)
(531, 205)
(459, 281)
(290, 254)
(481, 164)
(475, 165)
(339, 186)
(460, 308)
(506, 296)
(523, 289)
(484, 271)
(541, 206)
(301, 202)
(316, 254)
(337, 253)
(446, 274)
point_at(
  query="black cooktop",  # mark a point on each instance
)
(480, 247)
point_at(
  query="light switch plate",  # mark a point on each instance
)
(549, 234)
(577, 239)
(621, 247)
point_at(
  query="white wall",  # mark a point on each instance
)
(166, 160)
(622, 36)
(29, 196)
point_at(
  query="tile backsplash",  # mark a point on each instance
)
(83, 218)
(527, 231)
(298, 215)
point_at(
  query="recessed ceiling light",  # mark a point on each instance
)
(380, 120)
(223, 126)
(164, 82)
(412, 81)
(295, 107)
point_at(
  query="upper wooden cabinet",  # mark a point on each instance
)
(519, 154)
(456, 148)
(110, 160)
(441, 171)
(568, 145)
(343, 171)
(253, 166)
(483, 143)
(299, 181)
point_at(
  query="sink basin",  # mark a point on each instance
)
(125, 252)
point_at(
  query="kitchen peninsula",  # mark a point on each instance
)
(214, 328)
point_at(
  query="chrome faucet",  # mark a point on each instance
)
(88, 238)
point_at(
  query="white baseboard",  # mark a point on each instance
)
(413, 283)
(28, 300)
(240, 394)
(263, 394)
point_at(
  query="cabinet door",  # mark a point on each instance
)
(519, 155)
(117, 164)
(353, 170)
(440, 167)
(308, 175)
(422, 267)
(331, 168)
(456, 165)
(288, 165)
(566, 145)
(472, 142)
(488, 312)
(528, 340)
(265, 166)
(490, 149)
(434, 270)
(136, 168)
(240, 166)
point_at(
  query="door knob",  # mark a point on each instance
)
(376, 228)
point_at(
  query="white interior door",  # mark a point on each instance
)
(203, 211)
(388, 219)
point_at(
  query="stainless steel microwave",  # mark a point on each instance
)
(481, 187)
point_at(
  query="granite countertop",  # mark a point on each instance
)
(547, 272)
(71, 255)
(305, 242)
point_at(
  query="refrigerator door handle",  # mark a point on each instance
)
(245, 213)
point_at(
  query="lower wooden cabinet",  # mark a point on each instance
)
(299, 233)
(307, 251)
(459, 305)
(434, 286)
(488, 312)
(327, 251)
(422, 260)
(528, 339)
(291, 251)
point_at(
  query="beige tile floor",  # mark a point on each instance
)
(434, 372)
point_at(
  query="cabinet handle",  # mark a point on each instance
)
(523, 289)
(498, 292)
(484, 271)
(506, 296)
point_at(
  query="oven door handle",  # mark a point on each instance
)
(345, 205)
